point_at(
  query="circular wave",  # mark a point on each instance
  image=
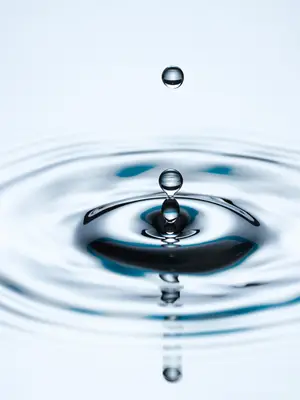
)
(47, 281)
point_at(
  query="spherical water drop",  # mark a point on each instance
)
(170, 181)
(172, 77)
(170, 210)
(172, 374)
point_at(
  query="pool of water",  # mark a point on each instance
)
(87, 310)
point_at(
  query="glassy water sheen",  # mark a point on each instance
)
(186, 290)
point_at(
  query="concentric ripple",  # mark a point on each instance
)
(47, 280)
(208, 235)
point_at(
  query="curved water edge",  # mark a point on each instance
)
(228, 234)
(46, 279)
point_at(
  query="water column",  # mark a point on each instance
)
(170, 182)
(172, 359)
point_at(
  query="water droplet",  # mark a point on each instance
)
(170, 210)
(170, 181)
(172, 374)
(172, 77)
(170, 240)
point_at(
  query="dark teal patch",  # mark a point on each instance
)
(134, 170)
(146, 214)
(12, 286)
(191, 212)
(86, 311)
(219, 170)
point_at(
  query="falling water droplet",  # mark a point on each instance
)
(170, 181)
(172, 374)
(170, 210)
(172, 77)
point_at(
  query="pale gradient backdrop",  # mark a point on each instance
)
(77, 67)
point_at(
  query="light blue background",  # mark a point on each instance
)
(76, 67)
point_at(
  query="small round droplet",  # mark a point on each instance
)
(172, 77)
(172, 374)
(170, 210)
(170, 181)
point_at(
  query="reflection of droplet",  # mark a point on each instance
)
(170, 228)
(170, 296)
(172, 374)
(170, 181)
(172, 77)
(170, 210)
(170, 278)
(170, 240)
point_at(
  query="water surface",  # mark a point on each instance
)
(50, 286)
